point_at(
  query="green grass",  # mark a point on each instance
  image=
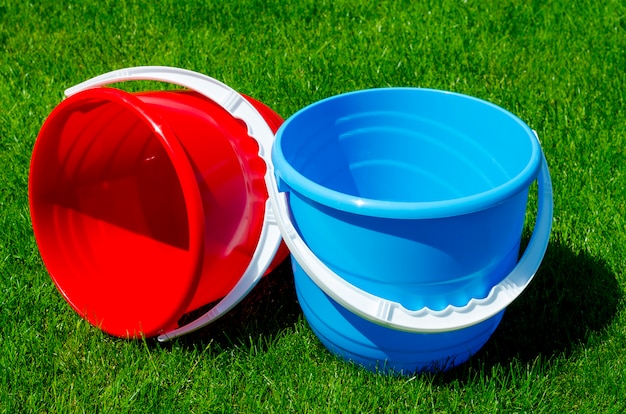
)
(558, 65)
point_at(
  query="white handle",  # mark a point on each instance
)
(237, 106)
(392, 314)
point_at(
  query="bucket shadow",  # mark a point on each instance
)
(573, 296)
(268, 309)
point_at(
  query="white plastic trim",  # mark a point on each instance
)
(240, 108)
(395, 316)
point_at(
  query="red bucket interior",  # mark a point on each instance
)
(144, 206)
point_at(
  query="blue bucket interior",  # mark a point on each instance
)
(406, 153)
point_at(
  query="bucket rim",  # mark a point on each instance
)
(168, 312)
(258, 129)
(290, 179)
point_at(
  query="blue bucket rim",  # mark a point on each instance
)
(296, 182)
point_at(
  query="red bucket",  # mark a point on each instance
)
(146, 206)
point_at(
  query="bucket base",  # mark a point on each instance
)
(381, 349)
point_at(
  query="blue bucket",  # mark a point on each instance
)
(403, 209)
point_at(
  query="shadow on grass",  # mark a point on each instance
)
(268, 309)
(572, 296)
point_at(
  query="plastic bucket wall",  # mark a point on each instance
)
(416, 196)
(379, 348)
(146, 206)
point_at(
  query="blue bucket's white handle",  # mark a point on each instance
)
(395, 316)
(240, 108)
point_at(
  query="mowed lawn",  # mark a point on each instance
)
(560, 66)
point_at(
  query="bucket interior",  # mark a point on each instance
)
(229, 175)
(404, 145)
(118, 210)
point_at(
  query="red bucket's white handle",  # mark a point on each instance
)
(395, 316)
(237, 106)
